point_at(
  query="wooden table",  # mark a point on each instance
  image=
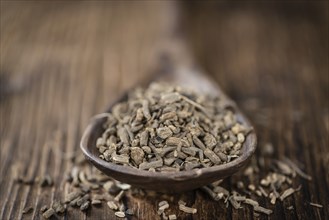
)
(64, 61)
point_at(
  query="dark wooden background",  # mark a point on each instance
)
(64, 61)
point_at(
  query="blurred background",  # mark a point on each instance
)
(64, 61)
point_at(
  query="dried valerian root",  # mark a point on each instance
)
(167, 128)
(276, 185)
(162, 206)
(120, 214)
(43, 181)
(172, 217)
(186, 209)
(48, 213)
(88, 186)
(316, 205)
(58, 207)
(43, 209)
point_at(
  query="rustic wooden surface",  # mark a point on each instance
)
(62, 62)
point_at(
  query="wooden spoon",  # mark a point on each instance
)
(173, 181)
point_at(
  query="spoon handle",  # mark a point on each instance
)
(177, 67)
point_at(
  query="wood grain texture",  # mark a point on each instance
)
(64, 61)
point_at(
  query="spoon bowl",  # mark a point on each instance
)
(174, 181)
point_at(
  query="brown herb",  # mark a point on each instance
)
(233, 202)
(43, 209)
(48, 213)
(96, 202)
(137, 155)
(251, 202)
(120, 214)
(284, 168)
(163, 123)
(290, 207)
(83, 199)
(84, 206)
(172, 217)
(262, 210)
(297, 169)
(112, 205)
(187, 209)
(119, 196)
(58, 207)
(149, 165)
(287, 193)
(71, 196)
(316, 205)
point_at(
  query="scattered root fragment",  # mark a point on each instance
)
(251, 202)
(96, 202)
(181, 202)
(273, 198)
(87, 187)
(288, 192)
(297, 169)
(163, 205)
(284, 168)
(262, 210)
(58, 207)
(120, 214)
(277, 185)
(112, 205)
(316, 205)
(290, 207)
(211, 193)
(172, 217)
(84, 206)
(262, 190)
(186, 209)
(119, 196)
(43, 209)
(72, 196)
(233, 202)
(48, 213)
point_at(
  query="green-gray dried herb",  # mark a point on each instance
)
(47, 214)
(158, 125)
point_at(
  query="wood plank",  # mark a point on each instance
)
(63, 62)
